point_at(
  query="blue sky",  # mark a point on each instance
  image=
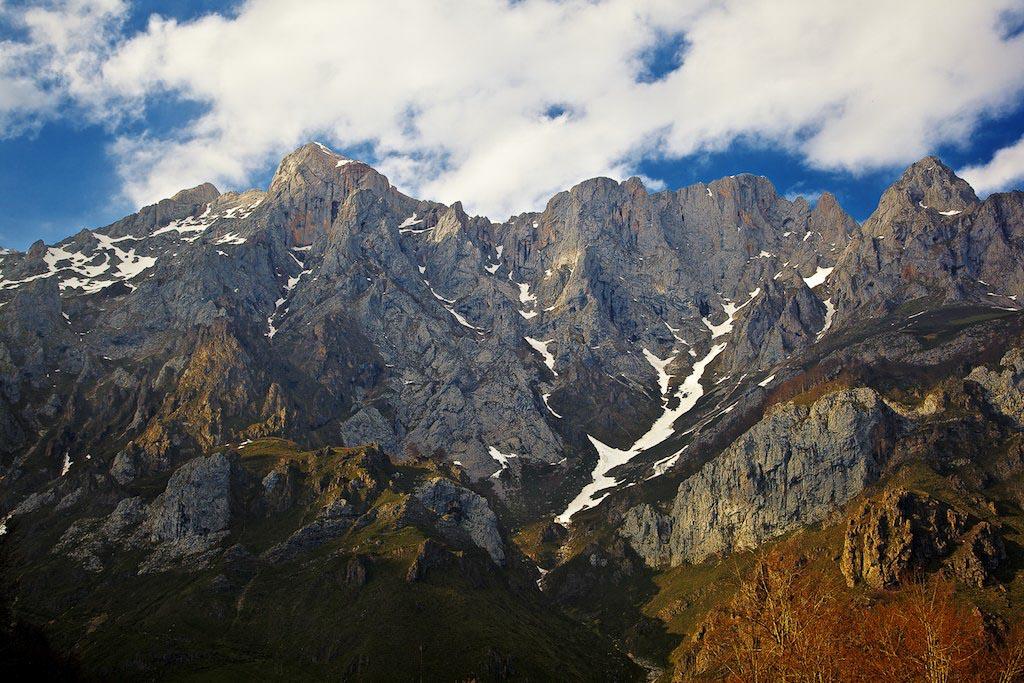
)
(106, 105)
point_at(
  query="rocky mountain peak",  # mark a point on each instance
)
(310, 186)
(827, 205)
(315, 164)
(634, 186)
(830, 219)
(930, 184)
(451, 222)
(200, 194)
(37, 250)
(747, 189)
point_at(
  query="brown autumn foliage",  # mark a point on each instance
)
(790, 622)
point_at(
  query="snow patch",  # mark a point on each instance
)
(541, 347)
(501, 458)
(830, 311)
(524, 293)
(230, 238)
(820, 275)
(448, 305)
(731, 310)
(659, 366)
(609, 458)
(410, 221)
(665, 464)
(545, 397)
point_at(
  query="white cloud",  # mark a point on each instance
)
(451, 96)
(1005, 171)
(59, 58)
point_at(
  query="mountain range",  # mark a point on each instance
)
(328, 429)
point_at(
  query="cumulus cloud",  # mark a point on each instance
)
(501, 104)
(1005, 171)
(57, 57)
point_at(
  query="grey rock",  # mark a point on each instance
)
(782, 321)
(931, 237)
(1004, 387)
(279, 487)
(196, 502)
(124, 468)
(88, 540)
(34, 502)
(798, 465)
(369, 426)
(331, 522)
(461, 508)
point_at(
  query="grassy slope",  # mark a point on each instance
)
(302, 618)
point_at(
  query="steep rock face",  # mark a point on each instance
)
(616, 270)
(309, 188)
(196, 501)
(460, 508)
(931, 237)
(796, 466)
(1004, 387)
(889, 538)
(334, 308)
(783, 320)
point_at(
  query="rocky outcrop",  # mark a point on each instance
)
(185, 522)
(979, 557)
(797, 466)
(890, 538)
(356, 571)
(196, 502)
(1004, 387)
(785, 318)
(431, 556)
(331, 522)
(461, 509)
(88, 541)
